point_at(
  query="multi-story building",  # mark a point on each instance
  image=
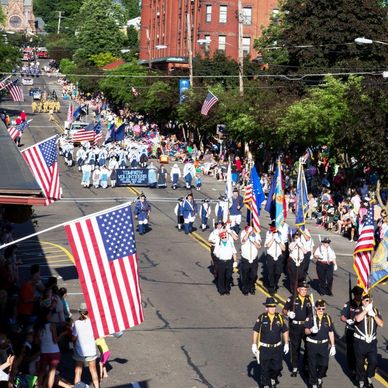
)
(164, 36)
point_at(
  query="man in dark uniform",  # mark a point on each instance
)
(367, 318)
(295, 260)
(297, 309)
(320, 333)
(267, 343)
(347, 316)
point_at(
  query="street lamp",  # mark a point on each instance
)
(363, 40)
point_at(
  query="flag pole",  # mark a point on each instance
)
(63, 224)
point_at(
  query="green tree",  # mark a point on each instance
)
(320, 35)
(99, 29)
(60, 46)
(9, 57)
(132, 8)
(103, 59)
(2, 17)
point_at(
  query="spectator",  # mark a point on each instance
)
(84, 346)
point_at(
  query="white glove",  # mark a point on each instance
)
(314, 329)
(277, 239)
(291, 315)
(350, 322)
(254, 349)
(369, 307)
(235, 264)
(335, 267)
(371, 313)
(286, 348)
(258, 357)
(332, 351)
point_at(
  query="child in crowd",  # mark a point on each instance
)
(104, 357)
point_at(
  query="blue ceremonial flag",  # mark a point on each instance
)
(119, 133)
(379, 263)
(301, 197)
(77, 112)
(98, 127)
(257, 189)
(89, 127)
(270, 205)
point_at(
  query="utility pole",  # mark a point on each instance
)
(240, 49)
(59, 21)
(189, 48)
(148, 48)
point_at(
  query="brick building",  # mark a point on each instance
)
(214, 26)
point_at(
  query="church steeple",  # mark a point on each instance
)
(19, 15)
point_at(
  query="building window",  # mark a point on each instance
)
(223, 13)
(246, 46)
(221, 42)
(247, 16)
(207, 44)
(208, 13)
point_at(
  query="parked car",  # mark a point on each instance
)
(27, 81)
(37, 94)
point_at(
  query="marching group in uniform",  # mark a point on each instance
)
(308, 321)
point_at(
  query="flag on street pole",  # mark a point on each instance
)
(379, 267)
(104, 248)
(228, 184)
(363, 252)
(3, 82)
(302, 203)
(42, 159)
(15, 90)
(209, 102)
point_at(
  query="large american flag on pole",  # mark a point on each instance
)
(3, 84)
(104, 248)
(42, 159)
(210, 100)
(16, 91)
(364, 249)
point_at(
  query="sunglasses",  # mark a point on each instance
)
(321, 308)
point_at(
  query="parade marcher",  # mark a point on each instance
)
(326, 264)
(268, 332)
(86, 175)
(204, 213)
(104, 177)
(285, 235)
(320, 334)
(226, 254)
(175, 175)
(188, 213)
(152, 176)
(96, 177)
(347, 316)
(250, 245)
(80, 157)
(297, 308)
(162, 178)
(295, 261)
(367, 318)
(188, 173)
(308, 243)
(142, 212)
(236, 204)
(69, 156)
(179, 213)
(113, 177)
(275, 248)
(222, 209)
(214, 240)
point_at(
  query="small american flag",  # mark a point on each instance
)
(364, 248)
(210, 100)
(16, 91)
(104, 248)
(70, 114)
(42, 159)
(14, 132)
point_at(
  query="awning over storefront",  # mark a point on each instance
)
(17, 184)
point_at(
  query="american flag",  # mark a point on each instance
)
(104, 248)
(14, 132)
(16, 91)
(3, 84)
(42, 158)
(364, 248)
(70, 114)
(250, 202)
(84, 135)
(210, 100)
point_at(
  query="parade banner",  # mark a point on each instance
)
(132, 177)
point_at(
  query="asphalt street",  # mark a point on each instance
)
(191, 336)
